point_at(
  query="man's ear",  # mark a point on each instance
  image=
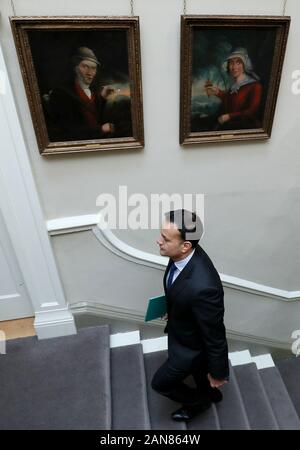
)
(187, 245)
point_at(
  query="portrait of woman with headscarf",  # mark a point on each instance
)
(230, 75)
(242, 100)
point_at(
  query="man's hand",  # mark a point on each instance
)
(106, 91)
(214, 382)
(224, 118)
(165, 317)
(108, 128)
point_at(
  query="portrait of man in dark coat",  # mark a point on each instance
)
(77, 109)
(83, 82)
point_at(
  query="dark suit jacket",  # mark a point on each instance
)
(196, 332)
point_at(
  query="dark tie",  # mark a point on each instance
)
(172, 270)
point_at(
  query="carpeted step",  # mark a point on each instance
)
(290, 372)
(279, 398)
(129, 391)
(160, 407)
(258, 408)
(208, 420)
(58, 383)
(230, 414)
(231, 410)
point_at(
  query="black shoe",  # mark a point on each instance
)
(188, 412)
(215, 395)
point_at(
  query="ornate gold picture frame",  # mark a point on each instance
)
(82, 77)
(230, 75)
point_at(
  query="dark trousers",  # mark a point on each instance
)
(169, 381)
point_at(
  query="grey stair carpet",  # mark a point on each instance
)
(229, 414)
(160, 407)
(208, 420)
(78, 382)
(59, 383)
(257, 405)
(290, 372)
(231, 411)
(128, 387)
(281, 403)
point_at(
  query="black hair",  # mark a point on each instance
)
(188, 223)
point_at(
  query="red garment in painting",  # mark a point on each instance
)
(90, 113)
(243, 105)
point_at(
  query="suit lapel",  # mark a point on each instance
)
(165, 275)
(180, 281)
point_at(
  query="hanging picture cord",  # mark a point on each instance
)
(283, 11)
(13, 7)
(131, 7)
(184, 7)
(284, 6)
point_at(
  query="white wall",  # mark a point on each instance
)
(252, 188)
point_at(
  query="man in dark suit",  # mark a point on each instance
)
(197, 343)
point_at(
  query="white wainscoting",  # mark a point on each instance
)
(110, 241)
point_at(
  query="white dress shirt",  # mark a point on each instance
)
(85, 88)
(180, 265)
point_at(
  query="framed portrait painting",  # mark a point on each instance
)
(82, 77)
(230, 75)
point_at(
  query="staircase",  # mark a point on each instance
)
(255, 399)
(97, 381)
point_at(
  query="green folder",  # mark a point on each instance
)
(157, 307)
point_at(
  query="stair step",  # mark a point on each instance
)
(239, 358)
(290, 372)
(263, 361)
(128, 386)
(258, 408)
(60, 383)
(208, 420)
(155, 344)
(231, 411)
(160, 407)
(123, 339)
(279, 398)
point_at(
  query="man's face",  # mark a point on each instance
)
(86, 71)
(171, 243)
